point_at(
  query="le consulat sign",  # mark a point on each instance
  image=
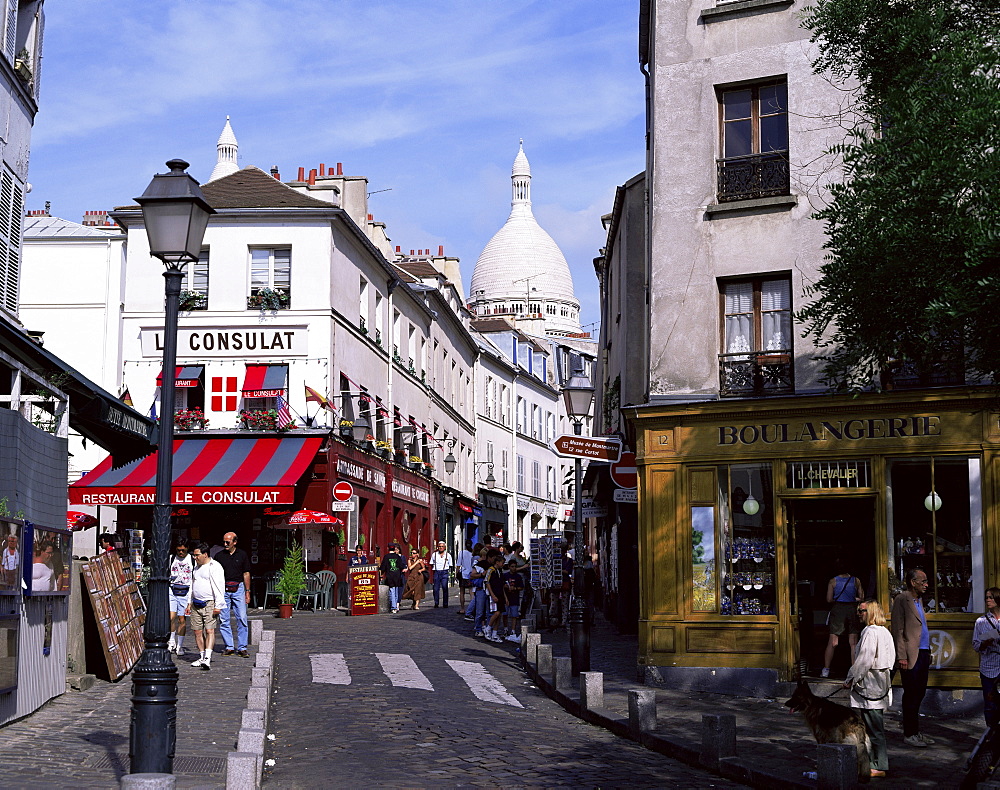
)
(202, 342)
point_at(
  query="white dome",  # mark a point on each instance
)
(228, 150)
(522, 265)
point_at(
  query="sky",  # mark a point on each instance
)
(425, 98)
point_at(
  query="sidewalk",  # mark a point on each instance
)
(777, 747)
(80, 739)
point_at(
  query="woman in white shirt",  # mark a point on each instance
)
(42, 575)
(870, 680)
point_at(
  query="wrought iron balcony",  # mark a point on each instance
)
(756, 373)
(753, 176)
(905, 374)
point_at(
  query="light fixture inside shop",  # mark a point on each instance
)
(933, 502)
(750, 506)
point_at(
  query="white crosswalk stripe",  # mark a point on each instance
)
(482, 683)
(330, 668)
(402, 671)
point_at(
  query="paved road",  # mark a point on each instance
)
(412, 700)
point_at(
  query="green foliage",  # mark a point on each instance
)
(697, 549)
(913, 265)
(293, 575)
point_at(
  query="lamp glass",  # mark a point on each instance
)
(932, 501)
(360, 429)
(491, 481)
(751, 506)
(578, 394)
(450, 463)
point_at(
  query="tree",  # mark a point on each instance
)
(912, 271)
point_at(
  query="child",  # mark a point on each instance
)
(494, 584)
(514, 586)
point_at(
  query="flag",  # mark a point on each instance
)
(152, 411)
(126, 398)
(312, 396)
(284, 415)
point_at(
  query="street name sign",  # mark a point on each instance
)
(595, 448)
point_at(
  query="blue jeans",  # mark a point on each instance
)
(236, 604)
(440, 583)
(395, 593)
(482, 609)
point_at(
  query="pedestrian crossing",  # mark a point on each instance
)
(402, 672)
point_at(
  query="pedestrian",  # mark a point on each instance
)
(498, 600)
(11, 562)
(393, 567)
(913, 650)
(843, 593)
(480, 598)
(181, 569)
(208, 599)
(470, 609)
(870, 681)
(441, 564)
(415, 570)
(463, 570)
(107, 543)
(359, 557)
(986, 642)
(514, 588)
(236, 566)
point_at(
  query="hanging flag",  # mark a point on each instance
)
(152, 411)
(312, 396)
(126, 398)
(284, 415)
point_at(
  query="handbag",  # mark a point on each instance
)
(426, 576)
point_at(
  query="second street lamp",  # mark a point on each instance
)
(175, 215)
(578, 395)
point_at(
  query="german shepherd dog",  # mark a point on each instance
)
(832, 723)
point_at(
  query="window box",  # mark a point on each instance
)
(264, 299)
(193, 300)
(190, 420)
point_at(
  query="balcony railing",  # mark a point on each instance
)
(756, 373)
(753, 176)
(904, 374)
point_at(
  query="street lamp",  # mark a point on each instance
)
(175, 214)
(578, 394)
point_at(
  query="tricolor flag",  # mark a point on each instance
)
(312, 396)
(126, 398)
(284, 415)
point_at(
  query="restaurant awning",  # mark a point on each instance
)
(265, 381)
(218, 470)
(187, 376)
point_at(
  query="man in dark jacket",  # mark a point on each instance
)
(393, 570)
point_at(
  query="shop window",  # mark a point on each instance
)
(936, 524)
(703, 559)
(746, 521)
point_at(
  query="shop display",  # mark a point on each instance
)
(118, 609)
(748, 586)
(948, 568)
(546, 561)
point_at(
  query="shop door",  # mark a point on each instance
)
(826, 533)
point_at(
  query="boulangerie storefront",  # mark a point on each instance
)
(747, 508)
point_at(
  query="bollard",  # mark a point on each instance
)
(836, 766)
(267, 636)
(718, 739)
(591, 690)
(241, 771)
(543, 660)
(641, 711)
(148, 781)
(251, 741)
(252, 720)
(260, 676)
(257, 698)
(561, 672)
(256, 629)
(529, 623)
(265, 660)
(531, 643)
(266, 647)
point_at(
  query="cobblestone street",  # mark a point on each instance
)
(412, 700)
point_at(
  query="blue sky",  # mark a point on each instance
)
(426, 98)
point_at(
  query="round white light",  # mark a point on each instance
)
(751, 506)
(932, 501)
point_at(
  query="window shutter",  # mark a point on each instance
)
(36, 66)
(10, 31)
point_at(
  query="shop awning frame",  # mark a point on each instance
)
(265, 381)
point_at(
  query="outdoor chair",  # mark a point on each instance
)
(272, 588)
(312, 592)
(328, 579)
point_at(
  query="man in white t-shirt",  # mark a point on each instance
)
(181, 571)
(11, 563)
(208, 599)
(464, 571)
(442, 563)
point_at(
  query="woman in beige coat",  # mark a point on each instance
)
(869, 680)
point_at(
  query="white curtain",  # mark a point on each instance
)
(776, 322)
(739, 317)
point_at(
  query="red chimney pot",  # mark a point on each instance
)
(312, 176)
(440, 250)
(322, 169)
(340, 168)
(302, 174)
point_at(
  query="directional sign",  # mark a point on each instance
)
(623, 472)
(596, 448)
(343, 491)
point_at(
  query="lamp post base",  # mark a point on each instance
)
(579, 628)
(153, 730)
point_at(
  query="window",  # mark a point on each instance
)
(522, 487)
(194, 284)
(522, 415)
(756, 337)
(395, 336)
(379, 317)
(363, 306)
(536, 479)
(754, 127)
(550, 483)
(550, 420)
(270, 278)
(536, 422)
(504, 477)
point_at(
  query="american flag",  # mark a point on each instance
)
(284, 415)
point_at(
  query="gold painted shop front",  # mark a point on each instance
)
(748, 509)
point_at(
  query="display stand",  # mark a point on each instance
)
(119, 612)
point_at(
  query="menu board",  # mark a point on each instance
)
(118, 609)
(363, 584)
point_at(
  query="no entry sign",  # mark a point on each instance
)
(623, 472)
(342, 491)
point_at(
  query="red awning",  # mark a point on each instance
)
(265, 381)
(221, 470)
(184, 376)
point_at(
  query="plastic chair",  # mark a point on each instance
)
(327, 579)
(272, 588)
(313, 591)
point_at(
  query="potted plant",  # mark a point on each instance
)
(292, 581)
(192, 300)
(190, 419)
(416, 462)
(346, 427)
(268, 299)
(384, 447)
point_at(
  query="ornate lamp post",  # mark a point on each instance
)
(578, 395)
(175, 214)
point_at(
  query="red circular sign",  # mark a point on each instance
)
(623, 472)
(342, 491)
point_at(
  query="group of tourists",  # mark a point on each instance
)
(500, 585)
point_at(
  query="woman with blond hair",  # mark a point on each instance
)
(869, 680)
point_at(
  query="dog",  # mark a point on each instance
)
(832, 723)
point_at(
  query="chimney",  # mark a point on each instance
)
(440, 250)
(312, 177)
(275, 173)
(340, 168)
(370, 217)
(411, 253)
(95, 218)
(397, 249)
(302, 174)
(322, 170)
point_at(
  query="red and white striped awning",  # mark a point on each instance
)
(188, 376)
(265, 381)
(221, 470)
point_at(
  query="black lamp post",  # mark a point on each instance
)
(175, 214)
(578, 395)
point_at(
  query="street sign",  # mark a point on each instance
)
(626, 495)
(595, 448)
(623, 471)
(339, 507)
(343, 491)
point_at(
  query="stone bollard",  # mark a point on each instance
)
(383, 599)
(241, 771)
(641, 711)
(251, 741)
(562, 672)
(591, 690)
(267, 636)
(543, 660)
(531, 643)
(258, 699)
(256, 629)
(718, 739)
(529, 623)
(260, 676)
(148, 782)
(252, 720)
(836, 766)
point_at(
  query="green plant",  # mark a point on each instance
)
(293, 575)
(189, 419)
(424, 551)
(268, 299)
(361, 540)
(192, 300)
(4, 509)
